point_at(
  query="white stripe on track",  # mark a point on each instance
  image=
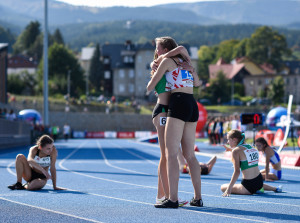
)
(154, 187)
(49, 210)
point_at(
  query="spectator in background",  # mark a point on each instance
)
(3, 114)
(11, 116)
(55, 132)
(235, 122)
(66, 131)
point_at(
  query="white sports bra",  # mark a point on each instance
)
(178, 78)
(44, 161)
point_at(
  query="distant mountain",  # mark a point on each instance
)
(266, 12)
(142, 31)
(22, 11)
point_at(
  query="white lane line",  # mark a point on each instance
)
(154, 187)
(116, 167)
(221, 215)
(49, 210)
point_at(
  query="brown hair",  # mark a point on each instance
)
(166, 42)
(44, 140)
(236, 134)
(262, 141)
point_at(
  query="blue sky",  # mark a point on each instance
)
(129, 3)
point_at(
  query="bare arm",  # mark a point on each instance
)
(53, 169)
(33, 164)
(161, 70)
(236, 172)
(267, 168)
(178, 50)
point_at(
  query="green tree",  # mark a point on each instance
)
(61, 62)
(96, 73)
(206, 56)
(57, 37)
(225, 49)
(24, 83)
(27, 38)
(219, 88)
(267, 46)
(276, 90)
(239, 50)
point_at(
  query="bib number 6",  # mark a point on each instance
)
(163, 121)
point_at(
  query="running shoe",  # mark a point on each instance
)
(16, 186)
(261, 191)
(167, 204)
(181, 203)
(278, 189)
(198, 203)
(160, 200)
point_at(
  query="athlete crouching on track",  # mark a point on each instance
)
(244, 157)
(273, 173)
(35, 168)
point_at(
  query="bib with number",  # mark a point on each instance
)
(163, 121)
(252, 157)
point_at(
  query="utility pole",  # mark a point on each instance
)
(69, 84)
(46, 112)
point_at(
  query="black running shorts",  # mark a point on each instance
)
(184, 107)
(159, 108)
(254, 184)
(36, 175)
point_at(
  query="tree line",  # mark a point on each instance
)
(264, 44)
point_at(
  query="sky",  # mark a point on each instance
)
(128, 3)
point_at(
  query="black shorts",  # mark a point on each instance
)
(159, 108)
(204, 169)
(254, 184)
(36, 175)
(184, 107)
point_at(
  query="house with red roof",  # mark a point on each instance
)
(19, 64)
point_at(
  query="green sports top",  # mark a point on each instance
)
(161, 85)
(252, 157)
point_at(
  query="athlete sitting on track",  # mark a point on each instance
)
(273, 173)
(244, 157)
(35, 168)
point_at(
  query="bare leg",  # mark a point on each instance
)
(187, 143)
(181, 160)
(36, 184)
(163, 185)
(173, 135)
(269, 188)
(236, 189)
(22, 168)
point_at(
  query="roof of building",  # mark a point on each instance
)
(268, 68)
(229, 70)
(3, 46)
(293, 66)
(87, 53)
(21, 61)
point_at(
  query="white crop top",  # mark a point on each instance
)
(178, 78)
(44, 161)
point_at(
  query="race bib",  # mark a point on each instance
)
(163, 121)
(252, 156)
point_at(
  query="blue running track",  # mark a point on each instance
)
(115, 180)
